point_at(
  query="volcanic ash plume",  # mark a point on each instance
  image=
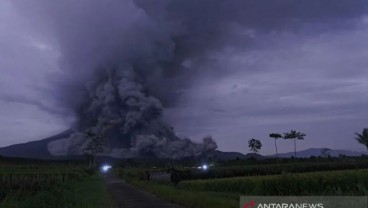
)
(118, 57)
(121, 110)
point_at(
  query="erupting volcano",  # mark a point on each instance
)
(121, 110)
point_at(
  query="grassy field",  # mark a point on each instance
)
(346, 182)
(51, 185)
(304, 179)
(189, 198)
(67, 185)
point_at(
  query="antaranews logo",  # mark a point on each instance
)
(303, 202)
(253, 204)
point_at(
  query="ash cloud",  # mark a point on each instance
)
(112, 53)
(123, 62)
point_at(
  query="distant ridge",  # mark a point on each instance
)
(38, 150)
(34, 149)
(319, 152)
(236, 155)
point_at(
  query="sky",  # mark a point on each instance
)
(237, 74)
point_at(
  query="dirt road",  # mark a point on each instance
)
(127, 196)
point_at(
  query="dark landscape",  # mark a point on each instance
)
(183, 103)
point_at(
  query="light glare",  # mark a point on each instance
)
(105, 168)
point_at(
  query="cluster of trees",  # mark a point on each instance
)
(255, 145)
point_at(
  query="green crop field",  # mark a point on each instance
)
(222, 186)
(347, 182)
(50, 185)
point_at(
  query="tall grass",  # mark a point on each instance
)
(272, 169)
(348, 182)
(88, 192)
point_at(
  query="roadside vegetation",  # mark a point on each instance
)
(348, 182)
(221, 185)
(225, 192)
(50, 185)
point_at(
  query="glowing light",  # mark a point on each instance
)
(204, 167)
(105, 168)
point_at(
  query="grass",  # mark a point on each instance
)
(346, 182)
(169, 192)
(225, 193)
(88, 192)
(189, 198)
(273, 169)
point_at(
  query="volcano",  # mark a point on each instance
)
(35, 149)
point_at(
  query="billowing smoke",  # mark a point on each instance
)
(114, 59)
(123, 61)
(120, 109)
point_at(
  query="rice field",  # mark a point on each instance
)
(345, 182)
(29, 184)
(17, 182)
(222, 186)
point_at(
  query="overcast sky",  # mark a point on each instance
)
(313, 80)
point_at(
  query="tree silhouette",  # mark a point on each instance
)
(276, 136)
(294, 135)
(94, 146)
(363, 137)
(254, 145)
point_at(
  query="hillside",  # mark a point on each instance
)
(34, 149)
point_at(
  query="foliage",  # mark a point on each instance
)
(19, 183)
(363, 137)
(254, 145)
(295, 135)
(225, 192)
(276, 136)
(272, 169)
(87, 192)
(351, 182)
(184, 197)
(132, 173)
(189, 198)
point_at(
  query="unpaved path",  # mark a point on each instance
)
(127, 196)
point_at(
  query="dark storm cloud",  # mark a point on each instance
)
(160, 37)
(191, 53)
(311, 83)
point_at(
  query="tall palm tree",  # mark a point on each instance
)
(276, 136)
(363, 137)
(294, 135)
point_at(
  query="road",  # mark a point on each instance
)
(127, 196)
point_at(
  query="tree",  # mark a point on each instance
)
(294, 135)
(363, 137)
(276, 136)
(94, 146)
(254, 145)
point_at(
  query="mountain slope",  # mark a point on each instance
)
(35, 149)
(235, 155)
(38, 150)
(319, 152)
